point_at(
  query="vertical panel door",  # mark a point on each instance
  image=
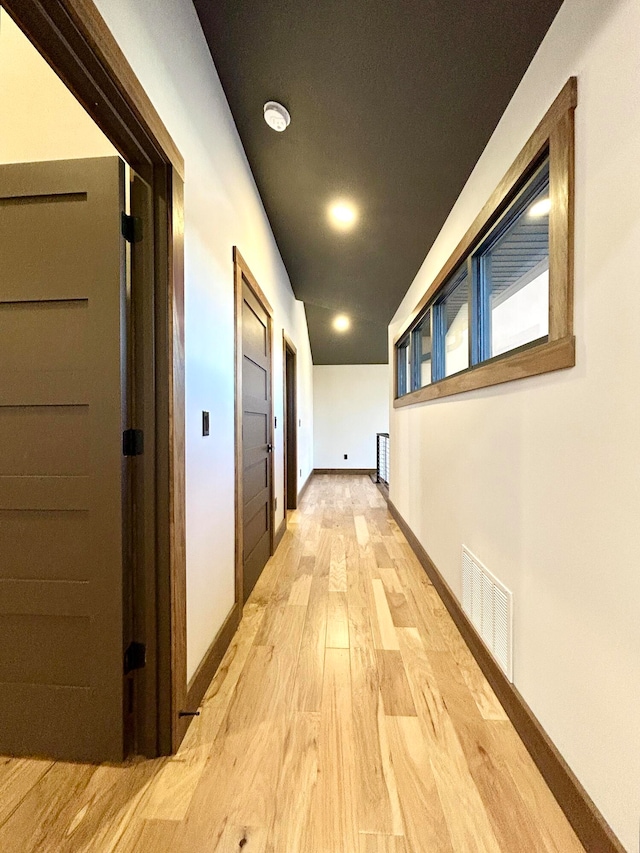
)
(62, 408)
(256, 438)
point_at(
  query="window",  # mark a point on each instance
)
(513, 271)
(452, 322)
(502, 307)
(421, 345)
(404, 367)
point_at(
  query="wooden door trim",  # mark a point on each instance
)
(240, 262)
(241, 272)
(74, 39)
(76, 42)
(288, 345)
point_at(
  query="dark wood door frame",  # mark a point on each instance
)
(290, 425)
(74, 39)
(241, 272)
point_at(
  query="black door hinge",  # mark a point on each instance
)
(131, 228)
(135, 657)
(132, 442)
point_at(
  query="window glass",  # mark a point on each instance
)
(422, 351)
(515, 271)
(493, 310)
(455, 311)
(497, 300)
(404, 368)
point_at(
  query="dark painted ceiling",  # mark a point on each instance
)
(392, 103)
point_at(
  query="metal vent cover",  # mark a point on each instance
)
(489, 605)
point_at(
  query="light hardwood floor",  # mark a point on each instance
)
(348, 716)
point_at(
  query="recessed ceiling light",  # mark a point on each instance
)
(341, 323)
(276, 116)
(343, 215)
(540, 208)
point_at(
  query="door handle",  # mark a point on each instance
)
(269, 448)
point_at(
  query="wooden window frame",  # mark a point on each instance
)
(554, 134)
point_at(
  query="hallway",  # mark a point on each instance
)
(347, 717)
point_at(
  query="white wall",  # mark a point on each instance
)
(541, 477)
(164, 43)
(39, 117)
(350, 405)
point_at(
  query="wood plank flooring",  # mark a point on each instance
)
(347, 716)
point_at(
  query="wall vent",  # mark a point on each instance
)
(489, 606)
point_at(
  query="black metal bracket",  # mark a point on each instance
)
(131, 227)
(135, 657)
(132, 442)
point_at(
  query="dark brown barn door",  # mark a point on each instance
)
(257, 448)
(62, 416)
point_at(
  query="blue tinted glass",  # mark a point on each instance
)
(515, 271)
(422, 343)
(455, 307)
(404, 368)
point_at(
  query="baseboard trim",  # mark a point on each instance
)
(203, 676)
(382, 487)
(305, 486)
(344, 470)
(277, 539)
(588, 823)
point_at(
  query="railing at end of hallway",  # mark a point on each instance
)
(382, 474)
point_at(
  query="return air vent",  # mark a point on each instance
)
(489, 605)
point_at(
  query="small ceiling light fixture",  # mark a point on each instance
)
(343, 215)
(341, 323)
(540, 208)
(276, 116)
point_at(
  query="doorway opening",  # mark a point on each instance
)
(98, 341)
(290, 424)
